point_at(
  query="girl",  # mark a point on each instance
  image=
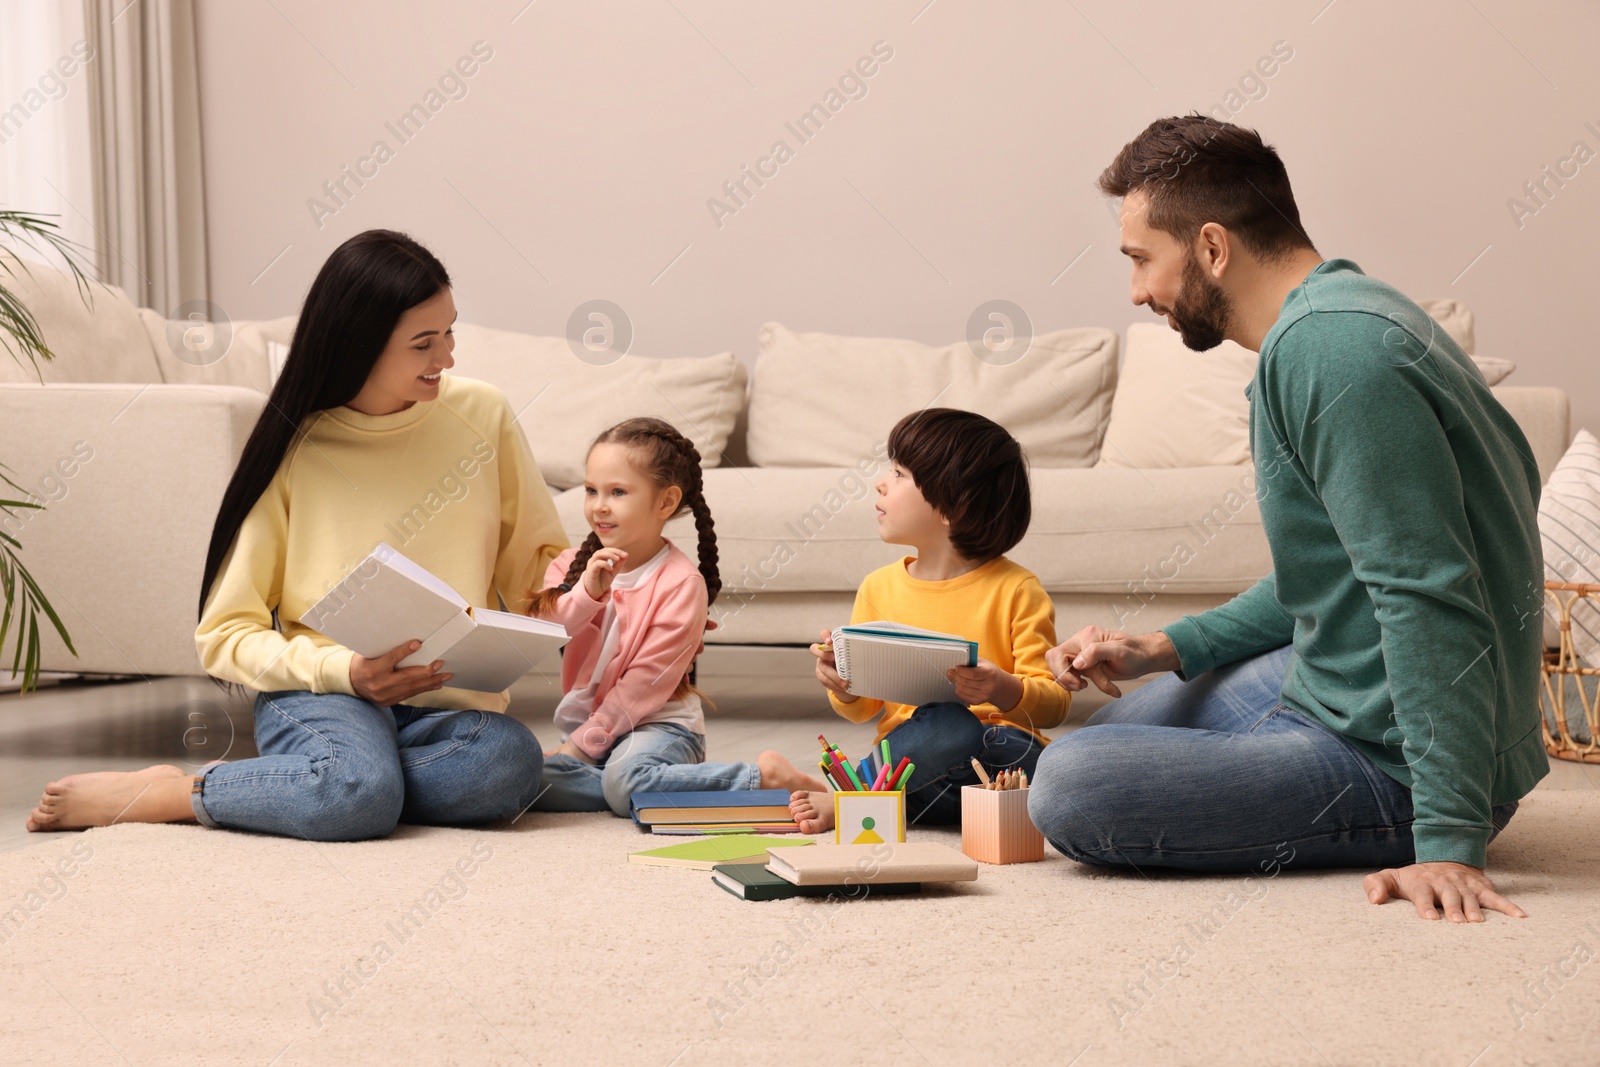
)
(635, 607)
(957, 491)
(361, 429)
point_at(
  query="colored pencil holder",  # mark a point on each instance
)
(995, 827)
(866, 818)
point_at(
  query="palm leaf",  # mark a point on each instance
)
(21, 336)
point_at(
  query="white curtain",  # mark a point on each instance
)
(45, 159)
(149, 192)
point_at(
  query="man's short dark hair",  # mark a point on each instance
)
(972, 472)
(1198, 170)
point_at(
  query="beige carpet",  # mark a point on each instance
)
(540, 944)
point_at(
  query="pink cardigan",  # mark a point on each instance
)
(660, 626)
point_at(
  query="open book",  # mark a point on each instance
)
(389, 600)
(898, 663)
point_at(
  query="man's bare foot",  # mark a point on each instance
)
(779, 773)
(812, 811)
(154, 794)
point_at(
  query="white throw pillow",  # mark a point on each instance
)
(822, 400)
(1569, 530)
(563, 402)
(1175, 407)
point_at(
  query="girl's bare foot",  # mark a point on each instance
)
(812, 811)
(779, 773)
(155, 794)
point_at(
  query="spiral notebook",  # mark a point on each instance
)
(900, 664)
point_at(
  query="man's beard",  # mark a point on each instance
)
(1202, 310)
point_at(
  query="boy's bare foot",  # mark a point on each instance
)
(812, 811)
(78, 801)
(779, 773)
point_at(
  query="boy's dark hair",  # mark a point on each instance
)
(972, 472)
(1198, 170)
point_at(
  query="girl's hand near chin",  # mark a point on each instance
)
(601, 569)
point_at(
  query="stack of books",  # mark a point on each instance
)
(721, 811)
(846, 870)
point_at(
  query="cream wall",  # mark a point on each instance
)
(580, 160)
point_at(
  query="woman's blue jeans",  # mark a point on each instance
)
(1215, 774)
(338, 768)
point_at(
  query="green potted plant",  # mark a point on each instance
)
(19, 333)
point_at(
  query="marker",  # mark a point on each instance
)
(894, 779)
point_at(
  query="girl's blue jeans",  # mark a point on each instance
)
(1217, 775)
(658, 757)
(338, 768)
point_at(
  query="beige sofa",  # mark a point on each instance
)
(1143, 496)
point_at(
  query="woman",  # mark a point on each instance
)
(363, 440)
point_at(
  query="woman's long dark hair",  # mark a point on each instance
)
(349, 315)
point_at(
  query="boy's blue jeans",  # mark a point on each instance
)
(943, 739)
(1216, 774)
(338, 768)
(658, 757)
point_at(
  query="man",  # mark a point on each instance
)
(1373, 701)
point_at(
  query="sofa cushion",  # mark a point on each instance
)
(1178, 408)
(96, 334)
(1175, 407)
(1126, 532)
(821, 400)
(243, 362)
(1456, 318)
(563, 403)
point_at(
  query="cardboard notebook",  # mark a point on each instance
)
(388, 600)
(898, 663)
(884, 863)
(752, 881)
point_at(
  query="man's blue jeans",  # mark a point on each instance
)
(338, 768)
(1215, 774)
(943, 739)
(658, 757)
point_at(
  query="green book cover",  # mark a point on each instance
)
(703, 855)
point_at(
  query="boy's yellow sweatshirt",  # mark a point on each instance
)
(999, 605)
(449, 482)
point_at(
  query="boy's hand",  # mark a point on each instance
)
(601, 569)
(828, 670)
(986, 684)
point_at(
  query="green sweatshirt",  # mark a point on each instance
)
(1399, 501)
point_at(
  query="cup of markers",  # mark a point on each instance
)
(869, 797)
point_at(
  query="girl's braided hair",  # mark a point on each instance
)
(667, 458)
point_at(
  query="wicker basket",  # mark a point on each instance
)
(1569, 703)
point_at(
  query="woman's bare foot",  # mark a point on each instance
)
(779, 773)
(812, 811)
(155, 794)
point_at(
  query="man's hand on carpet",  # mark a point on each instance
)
(1103, 656)
(1462, 891)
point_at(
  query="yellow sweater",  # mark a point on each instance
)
(449, 482)
(999, 605)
